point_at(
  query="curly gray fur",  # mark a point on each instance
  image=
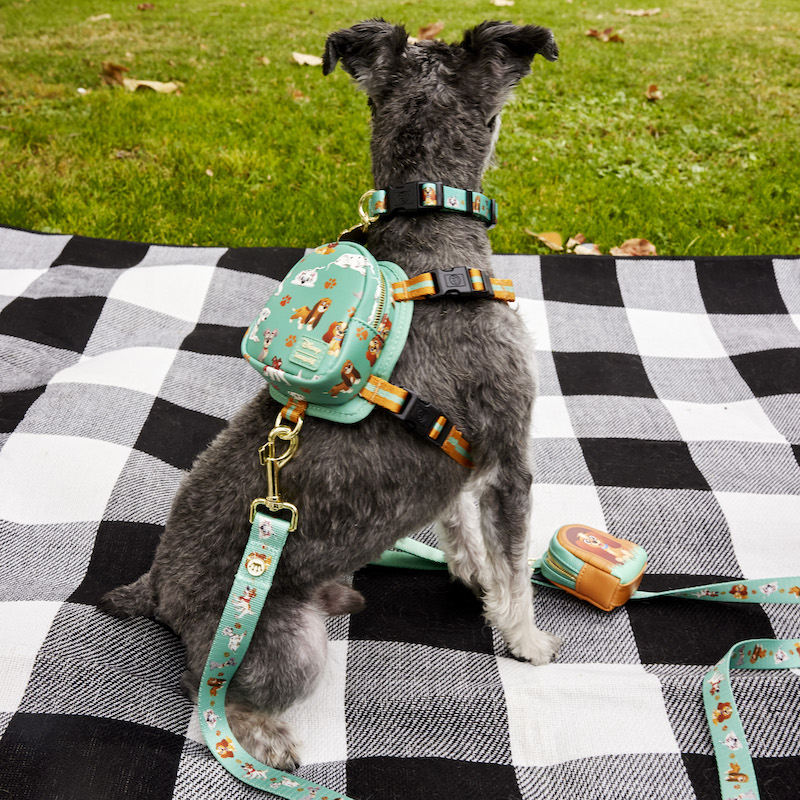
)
(361, 487)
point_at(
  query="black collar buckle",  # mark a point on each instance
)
(413, 197)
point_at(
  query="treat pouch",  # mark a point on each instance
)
(593, 565)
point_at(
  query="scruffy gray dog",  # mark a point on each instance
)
(361, 487)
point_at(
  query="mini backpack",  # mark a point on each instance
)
(330, 325)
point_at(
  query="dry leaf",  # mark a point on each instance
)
(502, 2)
(133, 85)
(99, 17)
(431, 31)
(639, 12)
(606, 35)
(113, 73)
(263, 60)
(299, 97)
(634, 247)
(306, 60)
(587, 249)
(551, 238)
(653, 93)
(210, 173)
(574, 241)
(145, 6)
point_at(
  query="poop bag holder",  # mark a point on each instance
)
(328, 326)
(594, 565)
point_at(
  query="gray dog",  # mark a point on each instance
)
(361, 487)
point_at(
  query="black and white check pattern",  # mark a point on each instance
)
(669, 414)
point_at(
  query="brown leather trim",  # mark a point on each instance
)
(603, 590)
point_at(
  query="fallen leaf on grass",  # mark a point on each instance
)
(575, 240)
(113, 74)
(133, 85)
(263, 60)
(606, 35)
(430, 31)
(653, 93)
(639, 12)
(98, 17)
(577, 245)
(502, 2)
(551, 238)
(634, 247)
(306, 60)
(299, 97)
(145, 6)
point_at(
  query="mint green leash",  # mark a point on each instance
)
(411, 554)
(737, 776)
(253, 580)
(254, 576)
(735, 766)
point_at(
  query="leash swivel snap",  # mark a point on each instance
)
(366, 219)
(274, 463)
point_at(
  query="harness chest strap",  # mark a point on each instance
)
(414, 413)
(419, 416)
(463, 282)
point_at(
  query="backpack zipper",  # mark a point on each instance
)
(381, 302)
(558, 568)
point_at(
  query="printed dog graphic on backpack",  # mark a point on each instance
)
(310, 317)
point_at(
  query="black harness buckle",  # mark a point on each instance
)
(419, 417)
(456, 282)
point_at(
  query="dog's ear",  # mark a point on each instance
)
(368, 51)
(503, 53)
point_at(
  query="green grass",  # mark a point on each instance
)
(712, 168)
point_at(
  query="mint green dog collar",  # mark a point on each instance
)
(420, 196)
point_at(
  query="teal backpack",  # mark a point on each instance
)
(331, 324)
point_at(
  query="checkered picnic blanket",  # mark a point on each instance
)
(669, 414)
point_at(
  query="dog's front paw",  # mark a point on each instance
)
(539, 648)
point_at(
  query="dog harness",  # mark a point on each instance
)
(330, 335)
(326, 342)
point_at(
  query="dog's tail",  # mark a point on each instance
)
(137, 599)
(336, 598)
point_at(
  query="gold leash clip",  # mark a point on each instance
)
(366, 219)
(274, 463)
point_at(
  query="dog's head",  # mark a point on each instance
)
(436, 106)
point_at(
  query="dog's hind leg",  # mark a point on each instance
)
(459, 534)
(281, 666)
(263, 735)
(504, 499)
